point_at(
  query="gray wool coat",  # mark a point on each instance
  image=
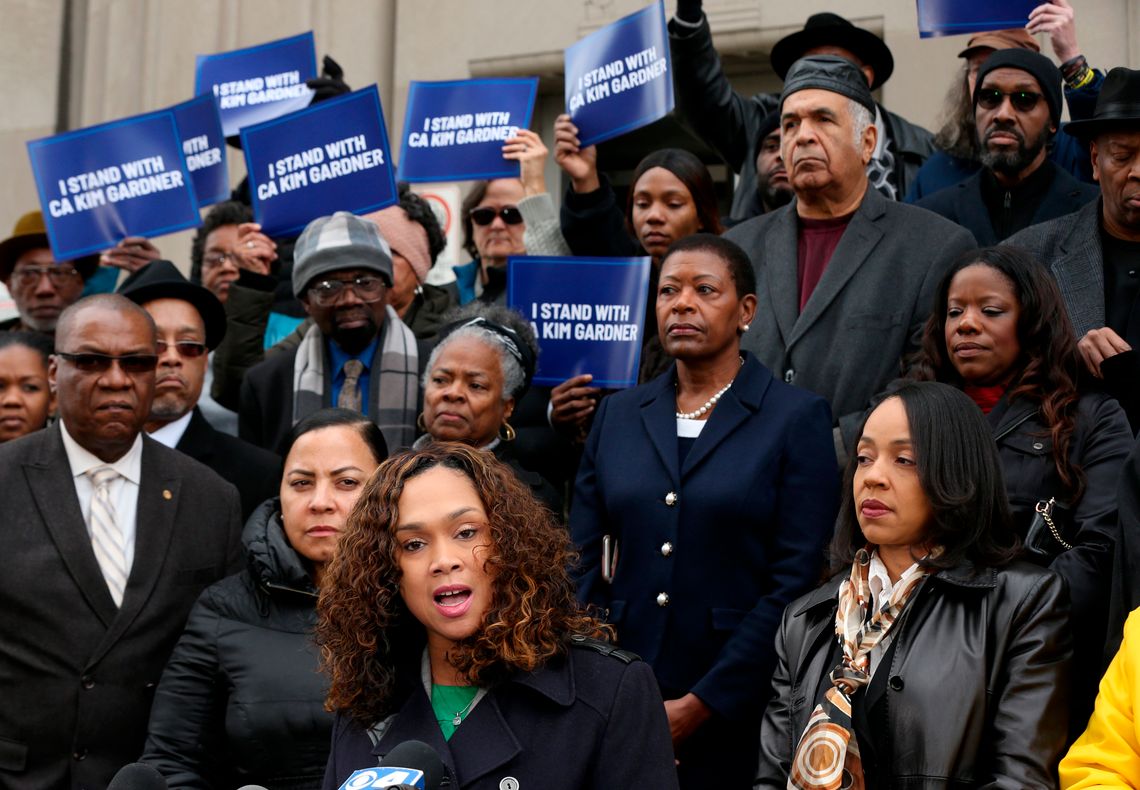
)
(868, 310)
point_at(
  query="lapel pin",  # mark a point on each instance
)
(166, 494)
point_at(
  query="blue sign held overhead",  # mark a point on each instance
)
(454, 131)
(101, 184)
(958, 17)
(620, 78)
(204, 147)
(258, 83)
(588, 314)
(330, 157)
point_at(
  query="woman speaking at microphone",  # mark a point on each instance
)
(448, 617)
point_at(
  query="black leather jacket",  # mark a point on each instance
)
(972, 692)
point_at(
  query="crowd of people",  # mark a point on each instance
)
(870, 519)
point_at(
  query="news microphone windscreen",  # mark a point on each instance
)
(137, 776)
(417, 754)
(252, 787)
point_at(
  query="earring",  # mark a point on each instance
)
(747, 327)
(506, 432)
(420, 422)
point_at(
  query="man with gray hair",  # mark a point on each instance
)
(357, 355)
(845, 277)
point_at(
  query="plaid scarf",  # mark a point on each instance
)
(393, 380)
(827, 757)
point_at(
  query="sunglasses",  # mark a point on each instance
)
(59, 275)
(1022, 101)
(485, 215)
(367, 288)
(185, 348)
(89, 362)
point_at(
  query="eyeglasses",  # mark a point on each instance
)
(367, 288)
(210, 260)
(485, 215)
(89, 362)
(1022, 101)
(59, 275)
(185, 348)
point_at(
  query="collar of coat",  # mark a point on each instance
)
(966, 575)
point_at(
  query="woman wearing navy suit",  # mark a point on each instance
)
(708, 496)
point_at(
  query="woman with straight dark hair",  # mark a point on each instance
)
(1000, 332)
(241, 701)
(932, 658)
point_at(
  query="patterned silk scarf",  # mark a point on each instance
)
(827, 757)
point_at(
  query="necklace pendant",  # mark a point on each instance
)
(457, 720)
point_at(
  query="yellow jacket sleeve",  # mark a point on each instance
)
(1108, 752)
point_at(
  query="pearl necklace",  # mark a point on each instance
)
(707, 405)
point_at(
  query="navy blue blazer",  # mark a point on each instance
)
(711, 550)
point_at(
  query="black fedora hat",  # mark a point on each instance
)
(829, 29)
(162, 280)
(1117, 105)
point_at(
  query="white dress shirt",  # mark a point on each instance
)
(124, 490)
(171, 433)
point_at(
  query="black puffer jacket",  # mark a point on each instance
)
(971, 693)
(241, 701)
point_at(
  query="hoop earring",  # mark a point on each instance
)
(420, 422)
(506, 432)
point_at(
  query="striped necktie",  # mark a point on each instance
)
(106, 536)
(349, 397)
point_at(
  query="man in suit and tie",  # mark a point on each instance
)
(191, 321)
(1095, 252)
(845, 277)
(109, 539)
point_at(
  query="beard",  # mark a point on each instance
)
(774, 197)
(1011, 162)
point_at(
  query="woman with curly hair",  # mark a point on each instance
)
(999, 331)
(448, 616)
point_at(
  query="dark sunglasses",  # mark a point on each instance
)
(185, 348)
(88, 362)
(486, 215)
(1022, 101)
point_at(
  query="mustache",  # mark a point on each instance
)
(1000, 127)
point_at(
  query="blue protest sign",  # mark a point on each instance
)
(204, 147)
(330, 157)
(101, 184)
(588, 314)
(454, 131)
(259, 83)
(954, 17)
(620, 78)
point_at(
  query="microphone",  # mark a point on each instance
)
(252, 787)
(411, 764)
(137, 776)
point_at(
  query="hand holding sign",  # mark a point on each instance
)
(131, 254)
(530, 152)
(1057, 18)
(254, 250)
(581, 164)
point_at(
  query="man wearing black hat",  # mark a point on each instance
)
(730, 123)
(191, 322)
(1095, 252)
(41, 287)
(845, 277)
(1017, 109)
(772, 183)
